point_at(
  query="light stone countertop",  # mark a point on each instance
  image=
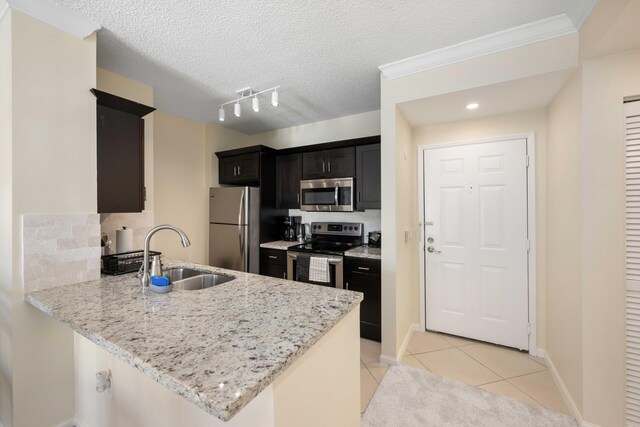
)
(279, 244)
(242, 334)
(365, 252)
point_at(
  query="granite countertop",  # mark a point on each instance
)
(365, 252)
(242, 334)
(279, 244)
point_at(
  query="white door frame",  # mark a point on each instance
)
(531, 224)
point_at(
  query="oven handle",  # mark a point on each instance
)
(338, 262)
(336, 194)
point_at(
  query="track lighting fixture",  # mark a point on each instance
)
(255, 101)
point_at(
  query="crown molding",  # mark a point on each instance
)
(538, 31)
(53, 15)
(4, 7)
(579, 11)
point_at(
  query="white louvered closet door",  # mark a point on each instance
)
(632, 112)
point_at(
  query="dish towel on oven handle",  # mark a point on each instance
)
(319, 270)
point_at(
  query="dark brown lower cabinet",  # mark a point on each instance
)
(363, 275)
(273, 263)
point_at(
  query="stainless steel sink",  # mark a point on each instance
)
(188, 279)
(175, 274)
(201, 282)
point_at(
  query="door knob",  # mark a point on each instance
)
(433, 250)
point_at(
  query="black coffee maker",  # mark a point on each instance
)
(290, 228)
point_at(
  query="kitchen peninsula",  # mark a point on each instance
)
(254, 351)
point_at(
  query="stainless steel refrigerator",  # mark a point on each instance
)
(234, 228)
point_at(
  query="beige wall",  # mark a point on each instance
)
(6, 231)
(605, 82)
(407, 290)
(347, 127)
(507, 124)
(181, 192)
(121, 86)
(564, 226)
(53, 171)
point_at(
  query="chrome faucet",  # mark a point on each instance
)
(145, 279)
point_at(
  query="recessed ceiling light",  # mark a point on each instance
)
(472, 106)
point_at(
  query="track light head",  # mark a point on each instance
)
(256, 104)
(236, 109)
(221, 114)
(274, 98)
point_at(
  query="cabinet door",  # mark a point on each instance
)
(228, 170)
(249, 167)
(120, 161)
(368, 177)
(364, 276)
(314, 165)
(341, 162)
(288, 176)
(273, 263)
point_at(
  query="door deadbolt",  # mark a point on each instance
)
(430, 240)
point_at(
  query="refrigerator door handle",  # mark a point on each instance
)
(241, 209)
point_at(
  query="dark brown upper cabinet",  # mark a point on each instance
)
(333, 163)
(120, 152)
(239, 169)
(288, 176)
(368, 187)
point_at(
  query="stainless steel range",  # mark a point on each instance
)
(328, 240)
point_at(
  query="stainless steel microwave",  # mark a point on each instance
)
(327, 195)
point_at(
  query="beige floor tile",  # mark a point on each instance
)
(505, 362)
(413, 362)
(507, 389)
(406, 353)
(453, 363)
(368, 387)
(542, 388)
(457, 341)
(369, 351)
(423, 342)
(378, 370)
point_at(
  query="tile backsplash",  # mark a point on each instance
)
(60, 249)
(139, 222)
(370, 218)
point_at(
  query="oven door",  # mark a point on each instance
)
(327, 195)
(336, 266)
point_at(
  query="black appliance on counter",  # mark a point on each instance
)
(290, 225)
(375, 239)
(329, 240)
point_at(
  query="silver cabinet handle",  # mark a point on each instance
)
(273, 257)
(433, 250)
(298, 198)
(364, 268)
(323, 166)
(347, 286)
(329, 166)
(239, 170)
(284, 275)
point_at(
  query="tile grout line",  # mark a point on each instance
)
(527, 394)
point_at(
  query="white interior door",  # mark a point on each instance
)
(476, 241)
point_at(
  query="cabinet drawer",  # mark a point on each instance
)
(273, 256)
(362, 266)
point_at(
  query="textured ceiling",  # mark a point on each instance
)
(324, 54)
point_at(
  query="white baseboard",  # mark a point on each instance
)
(387, 360)
(566, 396)
(539, 353)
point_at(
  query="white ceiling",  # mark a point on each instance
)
(324, 54)
(501, 98)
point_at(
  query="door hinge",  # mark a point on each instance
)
(144, 194)
(529, 329)
(527, 160)
(528, 245)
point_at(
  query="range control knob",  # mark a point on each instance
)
(356, 228)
